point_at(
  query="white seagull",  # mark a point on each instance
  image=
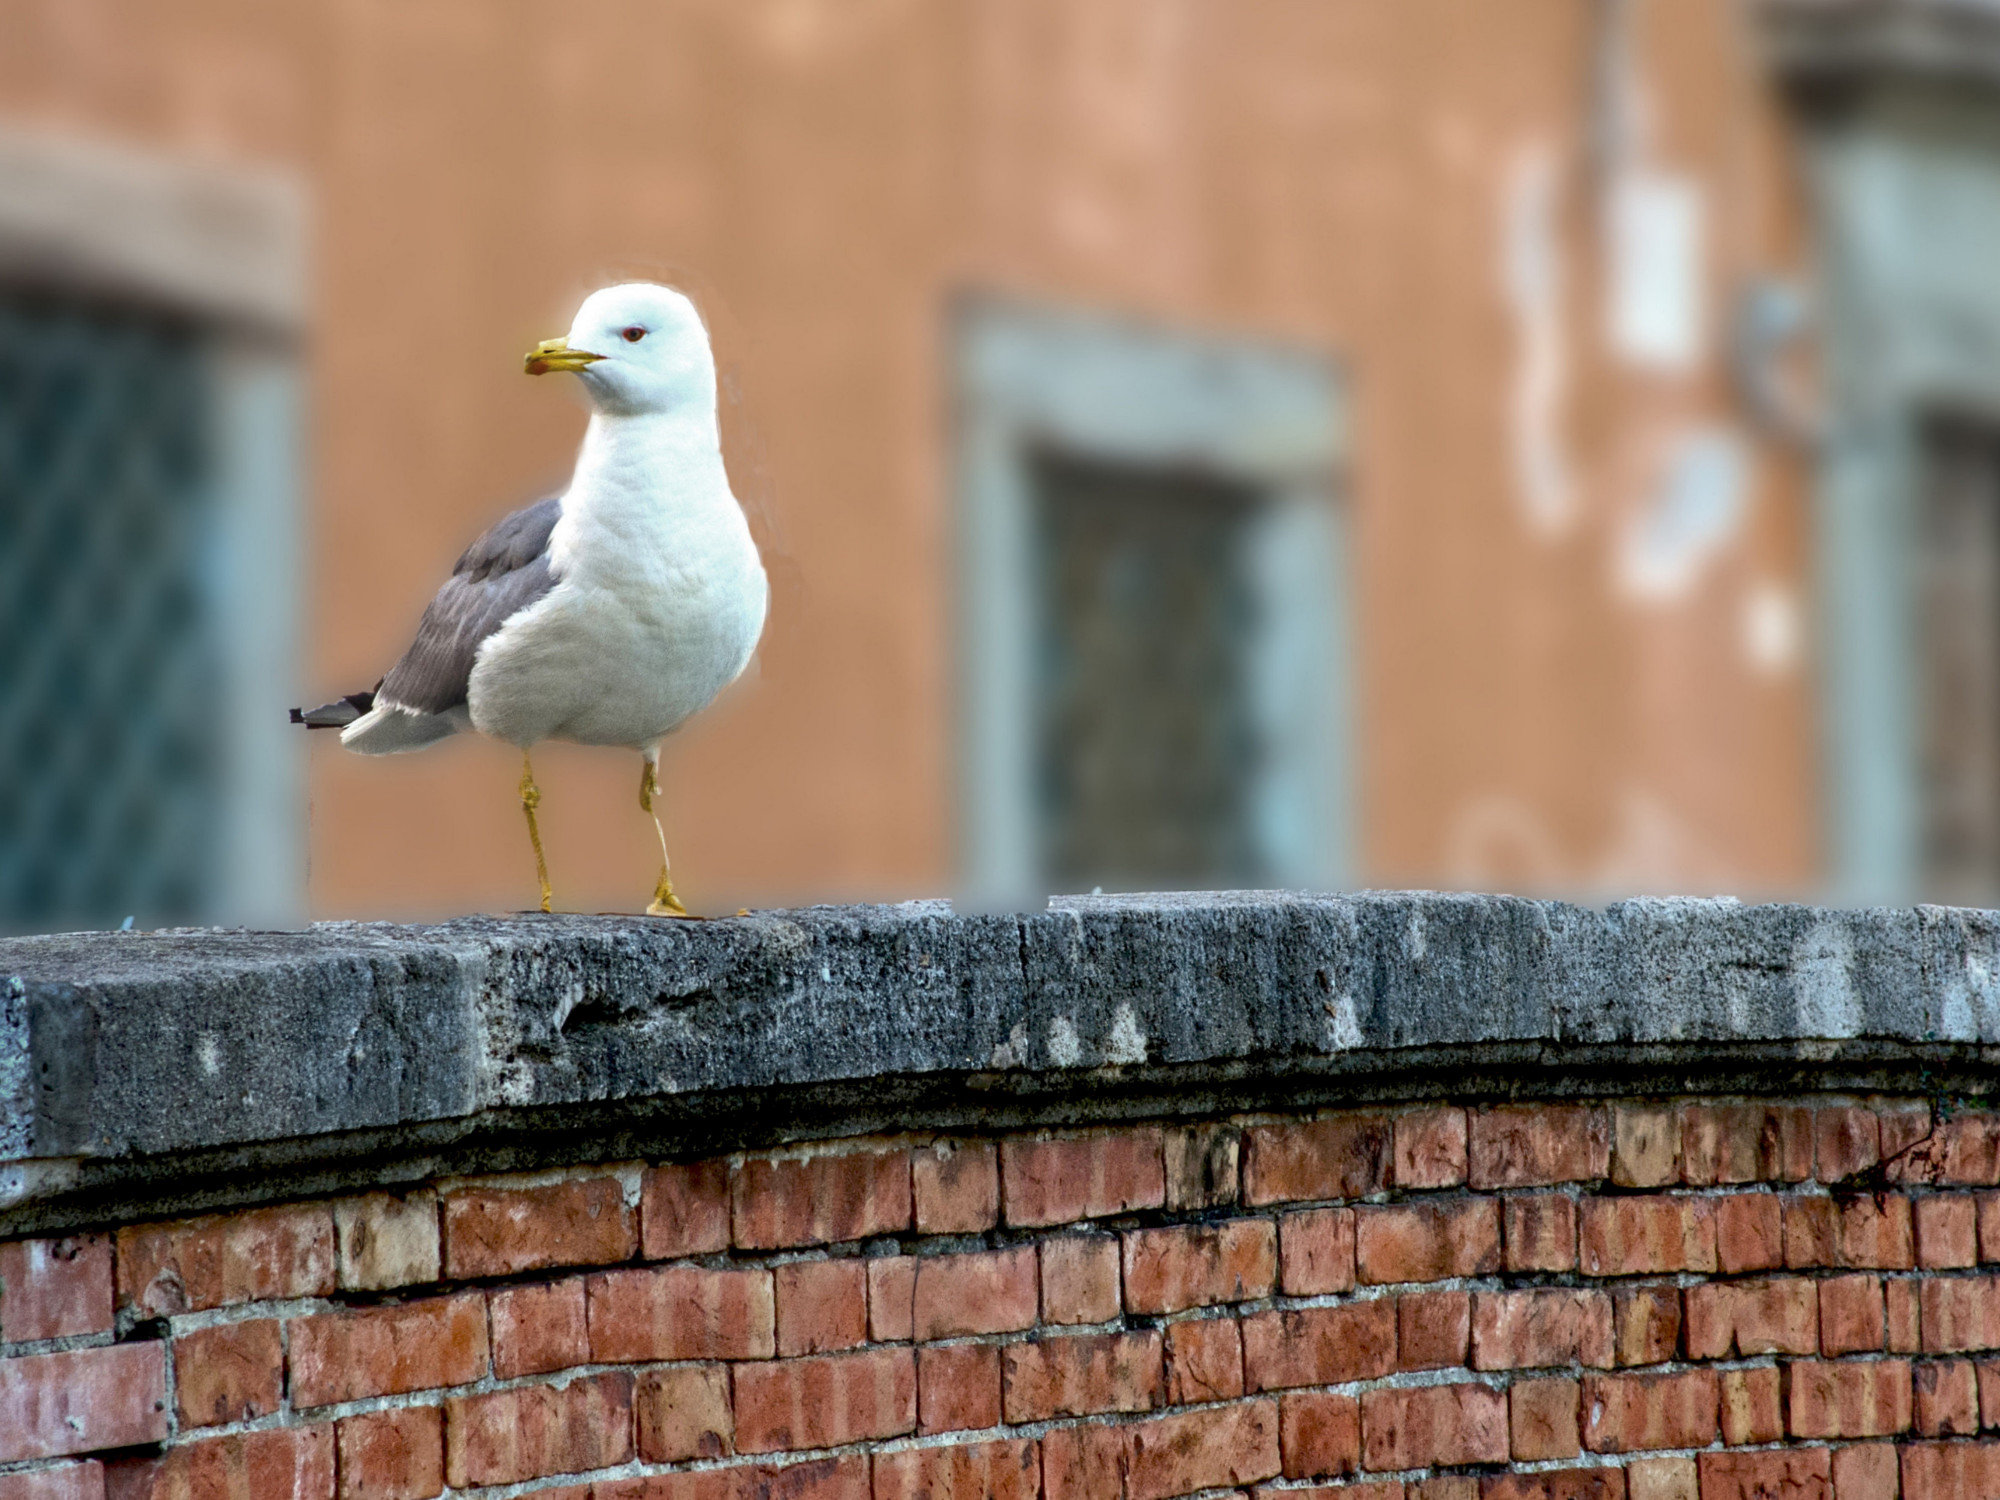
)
(611, 613)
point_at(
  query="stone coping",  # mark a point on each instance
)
(146, 1072)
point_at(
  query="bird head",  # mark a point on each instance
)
(638, 349)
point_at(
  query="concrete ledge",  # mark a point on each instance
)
(154, 1071)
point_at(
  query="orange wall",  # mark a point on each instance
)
(823, 175)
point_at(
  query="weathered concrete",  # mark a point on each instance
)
(174, 1069)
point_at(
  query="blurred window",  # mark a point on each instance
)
(149, 497)
(1148, 742)
(1153, 607)
(1960, 607)
(108, 662)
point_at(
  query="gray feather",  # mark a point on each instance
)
(498, 576)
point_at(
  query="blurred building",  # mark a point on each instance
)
(1551, 446)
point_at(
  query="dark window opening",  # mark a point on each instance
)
(1147, 745)
(1959, 607)
(108, 676)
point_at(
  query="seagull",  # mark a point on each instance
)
(608, 614)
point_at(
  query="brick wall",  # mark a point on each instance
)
(1653, 1301)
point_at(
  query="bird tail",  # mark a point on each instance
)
(337, 714)
(389, 728)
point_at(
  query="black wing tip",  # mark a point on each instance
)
(337, 714)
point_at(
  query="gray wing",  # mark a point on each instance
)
(499, 575)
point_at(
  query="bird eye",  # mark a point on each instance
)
(633, 334)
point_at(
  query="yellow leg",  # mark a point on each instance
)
(531, 798)
(664, 903)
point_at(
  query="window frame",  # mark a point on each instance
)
(225, 247)
(1031, 378)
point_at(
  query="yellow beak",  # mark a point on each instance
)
(556, 354)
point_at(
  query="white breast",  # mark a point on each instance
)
(659, 602)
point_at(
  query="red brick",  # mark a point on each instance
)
(51, 1289)
(1869, 1232)
(1007, 1470)
(538, 1328)
(1435, 1424)
(385, 1351)
(1080, 1279)
(1850, 1315)
(892, 1297)
(497, 1231)
(1779, 1316)
(1427, 1241)
(1064, 1179)
(393, 1454)
(286, 1463)
(1319, 1434)
(1539, 1230)
(229, 1373)
(1636, 1413)
(1846, 1141)
(1433, 1329)
(1847, 1398)
(1366, 1489)
(1800, 1474)
(843, 1478)
(1662, 1479)
(1447, 1487)
(1960, 1312)
(1865, 1471)
(1542, 1419)
(1646, 1236)
(1195, 1265)
(1076, 1375)
(257, 1256)
(1946, 1395)
(387, 1240)
(1539, 1327)
(1646, 1324)
(1751, 1405)
(1947, 1228)
(1961, 1151)
(1557, 1484)
(1084, 1463)
(1204, 1166)
(956, 1185)
(1903, 1124)
(1989, 1227)
(1316, 1251)
(84, 1481)
(1900, 1315)
(1749, 1233)
(1535, 1145)
(683, 1412)
(1745, 1143)
(958, 1387)
(532, 1430)
(1198, 1450)
(679, 1312)
(984, 1292)
(1989, 1393)
(824, 1199)
(826, 1400)
(1950, 1471)
(1319, 1345)
(822, 1305)
(1645, 1145)
(82, 1400)
(684, 1210)
(1204, 1361)
(1430, 1148)
(1335, 1156)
